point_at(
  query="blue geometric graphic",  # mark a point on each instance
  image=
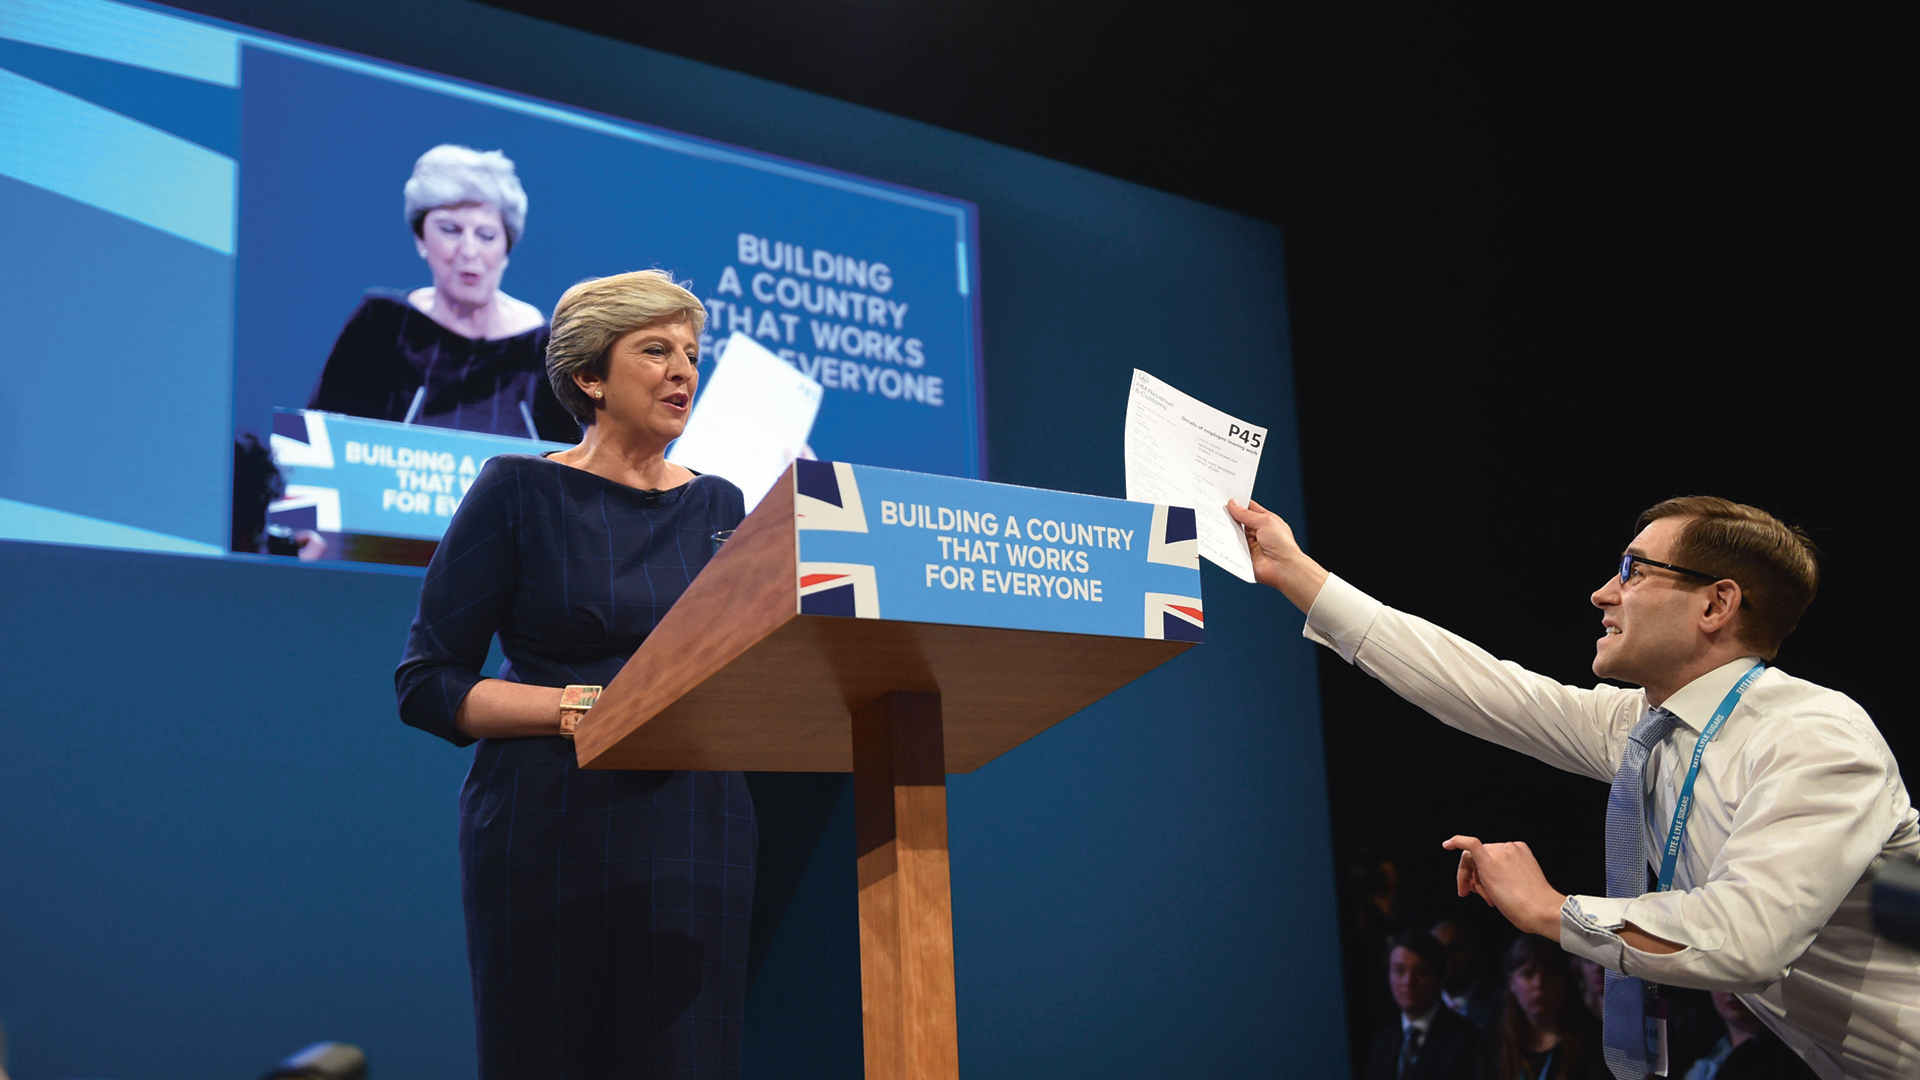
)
(114, 408)
(73, 147)
(126, 35)
(200, 112)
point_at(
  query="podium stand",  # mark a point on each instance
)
(901, 626)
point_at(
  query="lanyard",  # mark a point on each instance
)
(1685, 805)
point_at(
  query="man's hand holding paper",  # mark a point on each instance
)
(1184, 452)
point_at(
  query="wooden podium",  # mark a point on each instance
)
(739, 675)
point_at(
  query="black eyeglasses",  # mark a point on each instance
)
(1626, 572)
(1627, 561)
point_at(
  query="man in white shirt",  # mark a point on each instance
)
(1797, 799)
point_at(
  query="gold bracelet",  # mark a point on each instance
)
(574, 703)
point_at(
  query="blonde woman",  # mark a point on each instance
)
(607, 911)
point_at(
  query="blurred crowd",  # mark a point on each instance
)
(1463, 997)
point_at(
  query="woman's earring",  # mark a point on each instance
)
(598, 394)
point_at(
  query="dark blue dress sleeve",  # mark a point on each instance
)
(467, 595)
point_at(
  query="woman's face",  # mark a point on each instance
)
(466, 247)
(651, 377)
(1539, 991)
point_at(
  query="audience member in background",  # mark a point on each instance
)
(1472, 988)
(1428, 1041)
(1693, 1027)
(1591, 978)
(1749, 1051)
(1369, 886)
(1546, 1034)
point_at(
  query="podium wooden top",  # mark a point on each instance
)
(735, 678)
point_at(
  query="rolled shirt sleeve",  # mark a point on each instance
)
(1815, 817)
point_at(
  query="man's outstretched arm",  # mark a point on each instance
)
(1505, 875)
(1802, 837)
(1446, 675)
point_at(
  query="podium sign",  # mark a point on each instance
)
(1018, 606)
(879, 543)
(900, 627)
(353, 475)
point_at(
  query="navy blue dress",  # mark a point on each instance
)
(607, 911)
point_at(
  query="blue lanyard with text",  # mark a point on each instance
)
(1682, 808)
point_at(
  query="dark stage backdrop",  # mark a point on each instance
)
(1548, 269)
(220, 842)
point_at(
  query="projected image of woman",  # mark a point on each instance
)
(607, 911)
(459, 353)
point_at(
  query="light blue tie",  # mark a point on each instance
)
(1624, 1015)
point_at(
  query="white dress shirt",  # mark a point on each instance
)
(1797, 803)
(1417, 1027)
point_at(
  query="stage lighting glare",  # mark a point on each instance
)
(323, 1061)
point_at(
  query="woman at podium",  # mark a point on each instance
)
(607, 911)
(459, 353)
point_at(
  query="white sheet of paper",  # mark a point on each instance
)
(751, 421)
(1184, 452)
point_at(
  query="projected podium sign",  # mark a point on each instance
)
(350, 477)
(901, 626)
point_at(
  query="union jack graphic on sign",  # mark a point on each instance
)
(826, 497)
(1175, 618)
(1175, 539)
(839, 589)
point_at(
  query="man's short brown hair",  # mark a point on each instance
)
(1775, 565)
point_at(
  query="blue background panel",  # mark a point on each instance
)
(148, 36)
(220, 843)
(68, 144)
(202, 112)
(114, 403)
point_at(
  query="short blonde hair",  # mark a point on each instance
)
(450, 175)
(597, 312)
